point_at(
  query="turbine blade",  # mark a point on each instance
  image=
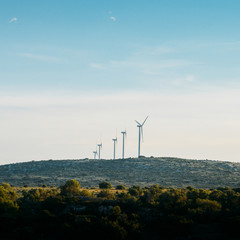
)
(145, 120)
(137, 122)
(142, 133)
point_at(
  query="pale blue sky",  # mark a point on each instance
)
(53, 53)
(76, 44)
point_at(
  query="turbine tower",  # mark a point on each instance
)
(99, 150)
(114, 147)
(140, 133)
(123, 133)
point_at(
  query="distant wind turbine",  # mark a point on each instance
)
(114, 147)
(95, 153)
(99, 150)
(140, 134)
(123, 133)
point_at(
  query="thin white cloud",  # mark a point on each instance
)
(13, 20)
(149, 61)
(190, 78)
(151, 65)
(43, 58)
(114, 19)
(181, 81)
(97, 66)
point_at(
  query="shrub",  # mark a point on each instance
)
(116, 211)
(85, 193)
(105, 185)
(120, 187)
(70, 188)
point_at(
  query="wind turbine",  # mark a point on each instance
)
(114, 147)
(123, 133)
(99, 150)
(95, 154)
(140, 133)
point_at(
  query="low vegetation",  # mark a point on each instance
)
(151, 212)
(168, 172)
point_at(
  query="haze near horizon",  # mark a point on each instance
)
(77, 73)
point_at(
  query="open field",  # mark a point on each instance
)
(168, 172)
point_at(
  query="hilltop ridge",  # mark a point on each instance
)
(165, 171)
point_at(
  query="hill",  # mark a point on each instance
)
(168, 172)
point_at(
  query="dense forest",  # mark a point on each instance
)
(151, 212)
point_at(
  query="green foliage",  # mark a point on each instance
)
(135, 191)
(7, 192)
(116, 211)
(7, 198)
(206, 206)
(151, 212)
(105, 185)
(106, 194)
(124, 196)
(85, 193)
(120, 187)
(173, 200)
(39, 194)
(70, 188)
(151, 194)
(193, 193)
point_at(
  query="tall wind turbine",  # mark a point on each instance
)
(114, 147)
(123, 133)
(99, 150)
(140, 133)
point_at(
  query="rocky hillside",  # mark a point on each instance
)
(169, 172)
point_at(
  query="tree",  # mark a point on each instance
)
(39, 195)
(7, 199)
(173, 200)
(135, 191)
(208, 207)
(71, 188)
(106, 194)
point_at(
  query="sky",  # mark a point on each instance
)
(75, 73)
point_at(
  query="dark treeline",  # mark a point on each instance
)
(154, 212)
